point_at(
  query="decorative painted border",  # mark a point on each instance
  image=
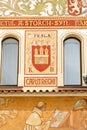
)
(36, 8)
(43, 8)
(43, 22)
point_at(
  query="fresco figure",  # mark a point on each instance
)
(78, 116)
(75, 119)
(35, 120)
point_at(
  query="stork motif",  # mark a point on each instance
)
(74, 7)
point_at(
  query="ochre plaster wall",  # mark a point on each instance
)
(24, 106)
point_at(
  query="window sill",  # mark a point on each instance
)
(72, 87)
(61, 91)
(10, 89)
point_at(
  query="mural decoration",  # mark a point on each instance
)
(43, 7)
(75, 7)
(43, 113)
(41, 57)
(40, 54)
(29, 7)
(74, 119)
(6, 113)
(34, 121)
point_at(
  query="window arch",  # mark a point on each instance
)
(72, 63)
(9, 59)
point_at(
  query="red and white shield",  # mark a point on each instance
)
(75, 7)
(41, 57)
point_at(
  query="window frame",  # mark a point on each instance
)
(8, 37)
(64, 34)
(74, 85)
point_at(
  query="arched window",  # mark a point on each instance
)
(72, 64)
(9, 67)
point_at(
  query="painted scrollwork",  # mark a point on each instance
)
(32, 7)
(40, 7)
(84, 5)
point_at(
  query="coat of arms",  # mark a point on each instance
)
(74, 7)
(41, 52)
(41, 57)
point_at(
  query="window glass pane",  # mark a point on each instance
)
(9, 62)
(72, 62)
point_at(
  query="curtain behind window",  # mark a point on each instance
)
(9, 62)
(72, 62)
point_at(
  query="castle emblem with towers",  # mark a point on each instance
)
(41, 55)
